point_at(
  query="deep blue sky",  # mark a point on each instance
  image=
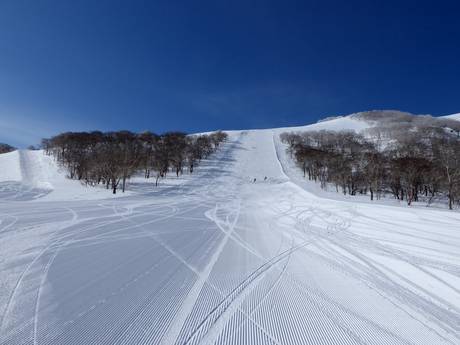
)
(203, 65)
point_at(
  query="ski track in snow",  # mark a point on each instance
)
(219, 259)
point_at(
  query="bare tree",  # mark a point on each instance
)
(5, 148)
(407, 156)
(112, 158)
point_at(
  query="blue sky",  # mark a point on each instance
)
(204, 65)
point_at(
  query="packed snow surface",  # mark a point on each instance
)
(221, 259)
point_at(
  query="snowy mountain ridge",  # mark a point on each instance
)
(453, 116)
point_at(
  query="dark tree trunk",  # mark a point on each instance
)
(114, 185)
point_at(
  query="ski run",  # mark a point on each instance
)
(242, 252)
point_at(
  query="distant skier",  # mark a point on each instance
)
(265, 178)
(254, 180)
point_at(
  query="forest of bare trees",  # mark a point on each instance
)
(409, 159)
(113, 157)
(5, 148)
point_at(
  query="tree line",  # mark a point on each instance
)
(111, 158)
(423, 160)
(5, 148)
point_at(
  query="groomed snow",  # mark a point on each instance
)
(221, 259)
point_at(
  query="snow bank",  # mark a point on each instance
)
(10, 169)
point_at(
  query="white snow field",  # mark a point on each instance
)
(453, 116)
(219, 259)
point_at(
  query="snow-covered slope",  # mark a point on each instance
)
(340, 123)
(349, 122)
(453, 116)
(221, 259)
(10, 169)
(26, 174)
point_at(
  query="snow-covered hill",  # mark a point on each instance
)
(221, 259)
(453, 116)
